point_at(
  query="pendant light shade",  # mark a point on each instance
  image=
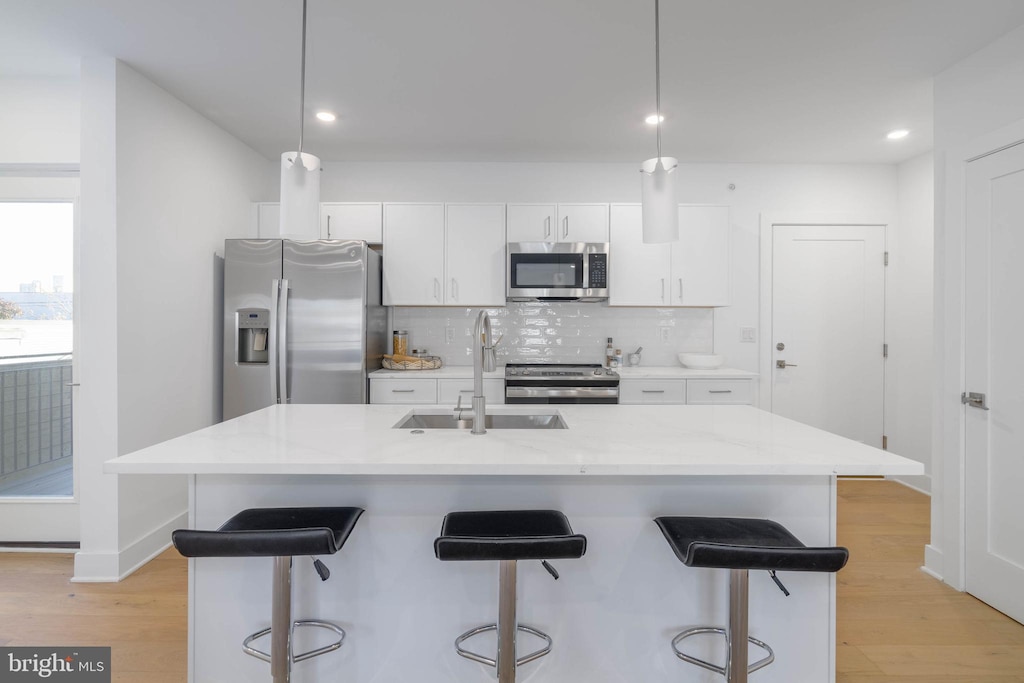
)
(300, 171)
(300, 194)
(659, 207)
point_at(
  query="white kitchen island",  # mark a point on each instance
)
(613, 612)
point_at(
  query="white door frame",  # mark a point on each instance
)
(16, 186)
(945, 556)
(768, 222)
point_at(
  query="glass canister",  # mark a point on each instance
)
(400, 343)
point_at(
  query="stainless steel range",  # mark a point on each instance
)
(556, 383)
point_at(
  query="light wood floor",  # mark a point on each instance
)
(895, 623)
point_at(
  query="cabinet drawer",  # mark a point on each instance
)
(403, 391)
(652, 391)
(449, 390)
(704, 391)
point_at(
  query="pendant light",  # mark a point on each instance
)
(659, 209)
(300, 172)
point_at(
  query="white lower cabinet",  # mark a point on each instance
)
(449, 390)
(719, 391)
(652, 391)
(403, 390)
(433, 391)
(686, 391)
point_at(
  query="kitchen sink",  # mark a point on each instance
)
(446, 420)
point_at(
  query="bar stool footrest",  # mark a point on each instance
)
(525, 659)
(759, 664)
(331, 647)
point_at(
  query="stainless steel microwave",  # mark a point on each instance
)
(557, 271)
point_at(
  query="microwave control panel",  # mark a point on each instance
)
(598, 267)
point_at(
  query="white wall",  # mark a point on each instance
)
(976, 97)
(39, 120)
(908, 312)
(169, 186)
(786, 189)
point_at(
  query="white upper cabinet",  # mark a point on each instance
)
(474, 255)
(438, 255)
(639, 274)
(691, 272)
(701, 259)
(532, 222)
(582, 223)
(352, 221)
(557, 222)
(268, 220)
(413, 254)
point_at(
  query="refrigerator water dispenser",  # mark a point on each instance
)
(252, 328)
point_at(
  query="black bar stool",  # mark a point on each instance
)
(281, 533)
(507, 536)
(741, 545)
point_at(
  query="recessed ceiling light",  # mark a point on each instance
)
(325, 116)
(653, 119)
(898, 134)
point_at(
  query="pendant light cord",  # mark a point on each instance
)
(302, 85)
(657, 70)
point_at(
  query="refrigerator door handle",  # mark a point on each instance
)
(272, 342)
(282, 344)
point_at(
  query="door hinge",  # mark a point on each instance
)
(885, 442)
(974, 399)
(885, 350)
(886, 258)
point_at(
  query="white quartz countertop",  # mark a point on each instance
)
(652, 372)
(608, 440)
(448, 372)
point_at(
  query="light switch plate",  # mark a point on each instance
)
(449, 335)
(663, 331)
(748, 334)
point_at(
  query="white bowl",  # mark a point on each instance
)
(701, 361)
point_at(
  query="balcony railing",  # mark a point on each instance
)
(35, 418)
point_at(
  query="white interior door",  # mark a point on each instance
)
(828, 326)
(994, 323)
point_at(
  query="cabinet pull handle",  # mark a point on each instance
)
(662, 290)
(565, 227)
(547, 227)
(455, 290)
(465, 391)
(719, 391)
(402, 391)
(328, 226)
(680, 289)
(437, 289)
(653, 391)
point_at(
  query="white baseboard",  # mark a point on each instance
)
(921, 483)
(932, 562)
(114, 567)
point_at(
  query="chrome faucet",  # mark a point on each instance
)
(483, 360)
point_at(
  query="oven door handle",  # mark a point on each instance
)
(561, 392)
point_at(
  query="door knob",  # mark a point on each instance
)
(782, 365)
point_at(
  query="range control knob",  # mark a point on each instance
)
(513, 372)
(597, 372)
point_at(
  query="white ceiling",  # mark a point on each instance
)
(533, 80)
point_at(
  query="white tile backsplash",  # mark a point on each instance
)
(561, 332)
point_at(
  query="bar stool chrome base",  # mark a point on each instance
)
(265, 656)
(721, 670)
(526, 659)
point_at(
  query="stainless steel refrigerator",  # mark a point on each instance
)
(303, 322)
